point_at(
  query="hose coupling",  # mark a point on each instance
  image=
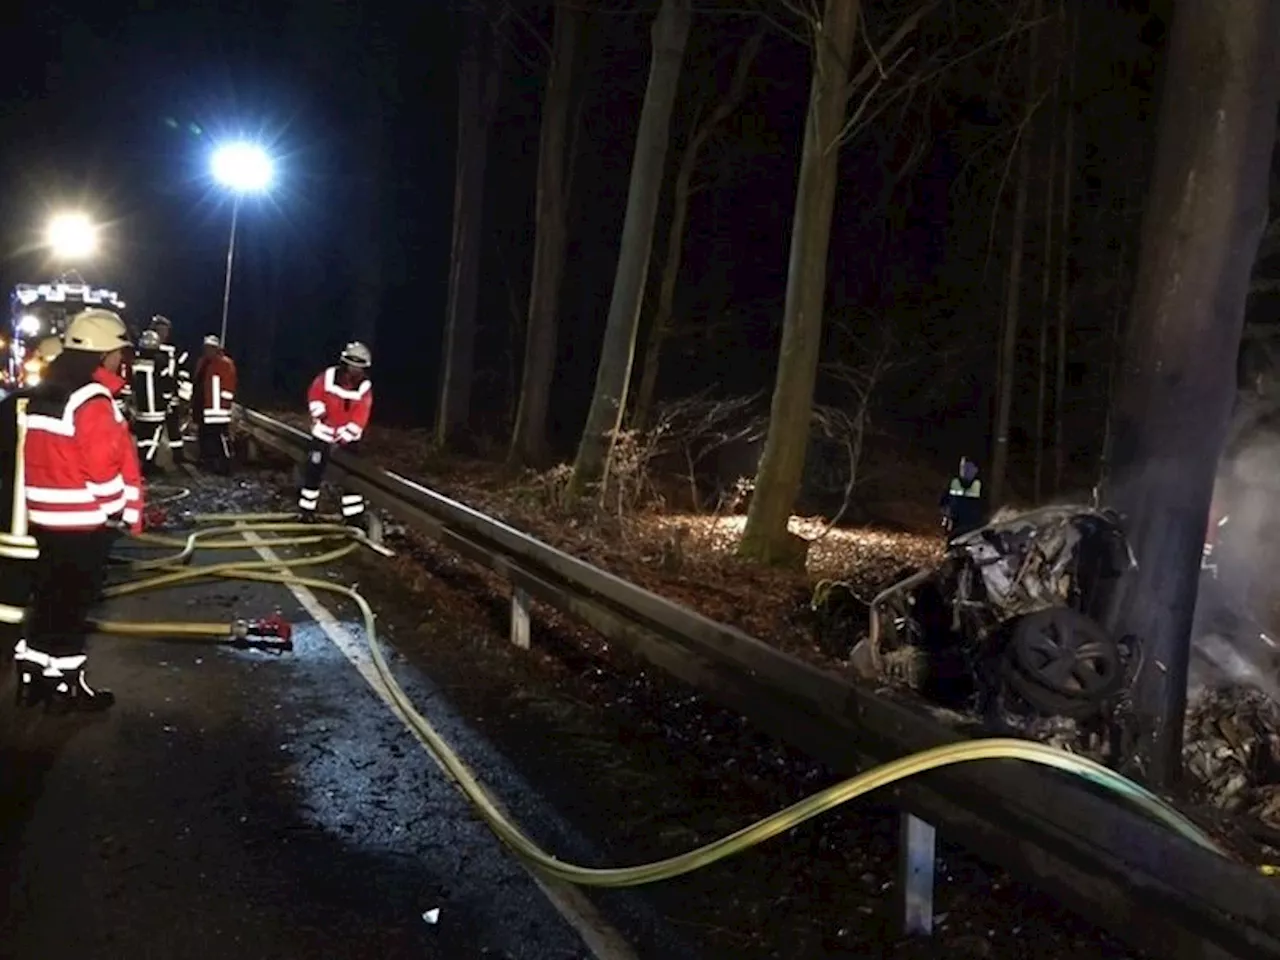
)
(272, 633)
(153, 517)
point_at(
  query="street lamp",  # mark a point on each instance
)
(72, 236)
(241, 168)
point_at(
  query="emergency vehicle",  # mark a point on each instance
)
(42, 310)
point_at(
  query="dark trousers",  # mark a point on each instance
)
(68, 579)
(173, 428)
(147, 434)
(215, 449)
(313, 474)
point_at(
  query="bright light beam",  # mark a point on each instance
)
(72, 236)
(242, 167)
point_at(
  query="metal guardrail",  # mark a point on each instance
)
(1156, 891)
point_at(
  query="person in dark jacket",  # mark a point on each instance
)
(962, 508)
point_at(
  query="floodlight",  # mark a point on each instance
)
(242, 167)
(72, 236)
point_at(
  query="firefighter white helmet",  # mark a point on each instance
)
(212, 341)
(96, 331)
(150, 340)
(356, 354)
(49, 348)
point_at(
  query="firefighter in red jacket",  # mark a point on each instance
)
(214, 390)
(340, 401)
(70, 454)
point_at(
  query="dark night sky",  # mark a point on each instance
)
(91, 86)
(85, 126)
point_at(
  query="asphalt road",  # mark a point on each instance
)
(242, 804)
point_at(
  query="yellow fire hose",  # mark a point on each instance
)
(174, 572)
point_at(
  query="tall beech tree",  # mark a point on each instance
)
(1206, 211)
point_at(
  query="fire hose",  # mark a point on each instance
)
(175, 569)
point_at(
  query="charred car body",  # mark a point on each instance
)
(1008, 619)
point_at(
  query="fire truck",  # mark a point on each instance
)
(42, 310)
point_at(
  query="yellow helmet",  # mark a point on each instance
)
(96, 331)
(48, 349)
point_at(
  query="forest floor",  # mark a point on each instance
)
(687, 557)
(690, 559)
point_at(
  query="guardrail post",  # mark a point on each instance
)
(373, 524)
(520, 618)
(917, 844)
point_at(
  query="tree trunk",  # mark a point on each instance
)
(1013, 288)
(766, 537)
(555, 158)
(1205, 214)
(670, 33)
(1071, 26)
(1116, 346)
(1046, 289)
(660, 328)
(479, 72)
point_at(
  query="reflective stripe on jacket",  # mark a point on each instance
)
(339, 414)
(215, 389)
(81, 469)
(153, 387)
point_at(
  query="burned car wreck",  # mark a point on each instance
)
(1008, 621)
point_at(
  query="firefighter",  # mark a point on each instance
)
(153, 396)
(175, 370)
(340, 401)
(82, 486)
(962, 509)
(214, 390)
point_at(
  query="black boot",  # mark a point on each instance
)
(57, 682)
(72, 694)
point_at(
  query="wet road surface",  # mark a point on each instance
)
(237, 803)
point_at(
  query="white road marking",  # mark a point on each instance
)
(600, 937)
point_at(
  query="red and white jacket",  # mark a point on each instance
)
(214, 389)
(339, 414)
(81, 469)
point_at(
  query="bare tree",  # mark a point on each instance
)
(766, 537)
(1007, 375)
(1047, 259)
(1070, 27)
(849, 424)
(479, 73)
(1205, 216)
(555, 159)
(670, 33)
(697, 427)
(832, 33)
(704, 126)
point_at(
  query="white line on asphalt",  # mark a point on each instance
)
(600, 937)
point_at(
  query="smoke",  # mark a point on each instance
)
(1234, 636)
